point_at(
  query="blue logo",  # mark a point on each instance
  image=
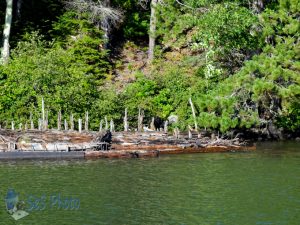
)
(14, 206)
(54, 201)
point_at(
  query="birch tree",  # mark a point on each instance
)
(152, 28)
(6, 32)
(153, 24)
(152, 31)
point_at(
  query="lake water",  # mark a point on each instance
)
(261, 187)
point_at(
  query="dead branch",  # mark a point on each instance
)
(97, 11)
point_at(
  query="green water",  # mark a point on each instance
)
(261, 187)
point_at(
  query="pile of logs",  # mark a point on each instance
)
(124, 144)
(50, 140)
(175, 144)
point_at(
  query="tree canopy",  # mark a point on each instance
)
(237, 60)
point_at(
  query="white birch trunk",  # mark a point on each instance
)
(101, 126)
(6, 32)
(125, 121)
(86, 123)
(72, 121)
(106, 123)
(43, 113)
(152, 31)
(194, 114)
(140, 120)
(59, 120)
(79, 125)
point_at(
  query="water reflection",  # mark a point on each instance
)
(260, 187)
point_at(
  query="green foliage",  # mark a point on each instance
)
(267, 87)
(83, 40)
(32, 16)
(240, 69)
(108, 104)
(225, 26)
(38, 69)
(136, 18)
(139, 94)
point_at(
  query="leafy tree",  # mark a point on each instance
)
(267, 88)
(38, 69)
(34, 16)
(135, 24)
(237, 61)
(80, 37)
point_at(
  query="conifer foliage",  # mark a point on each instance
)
(238, 61)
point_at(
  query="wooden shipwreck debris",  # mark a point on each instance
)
(52, 143)
(121, 154)
(183, 143)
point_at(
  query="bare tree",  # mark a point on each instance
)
(153, 22)
(99, 13)
(152, 31)
(258, 6)
(6, 32)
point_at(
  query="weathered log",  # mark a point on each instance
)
(106, 123)
(40, 122)
(46, 121)
(72, 121)
(194, 114)
(66, 125)
(176, 133)
(79, 125)
(86, 122)
(112, 126)
(125, 121)
(140, 120)
(43, 114)
(166, 126)
(101, 126)
(31, 122)
(59, 120)
(152, 127)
